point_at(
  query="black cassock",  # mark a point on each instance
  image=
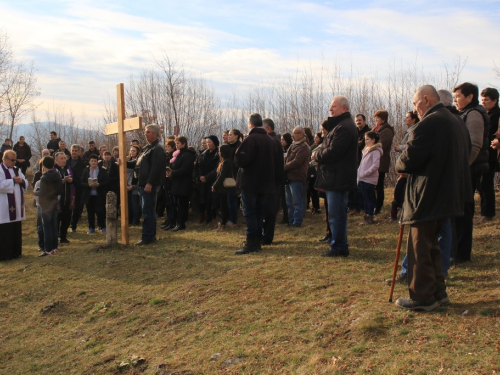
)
(11, 240)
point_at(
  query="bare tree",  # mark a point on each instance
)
(20, 92)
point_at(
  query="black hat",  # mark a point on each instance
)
(214, 139)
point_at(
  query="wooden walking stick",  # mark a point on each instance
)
(396, 261)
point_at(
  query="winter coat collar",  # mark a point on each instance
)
(258, 129)
(299, 142)
(376, 146)
(432, 109)
(334, 121)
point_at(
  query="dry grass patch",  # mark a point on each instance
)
(188, 305)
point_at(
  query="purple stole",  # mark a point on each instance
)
(12, 197)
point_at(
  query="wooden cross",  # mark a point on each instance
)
(121, 127)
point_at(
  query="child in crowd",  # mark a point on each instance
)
(368, 173)
(224, 171)
(48, 199)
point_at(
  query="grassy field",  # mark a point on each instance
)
(188, 305)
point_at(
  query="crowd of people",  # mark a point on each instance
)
(446, 155)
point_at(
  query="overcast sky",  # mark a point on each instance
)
(82, 49)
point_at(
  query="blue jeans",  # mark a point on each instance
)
(367, 191)
(253, 210)
(445, 242)
(50, 229)
(295, 202)
(148, 205)
(39, 227)
(337, 219)
(232, 206)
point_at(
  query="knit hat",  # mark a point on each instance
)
(214, 139)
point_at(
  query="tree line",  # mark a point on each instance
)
(182, 102)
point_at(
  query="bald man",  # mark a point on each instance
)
(434, 161)
(13, 185)
(337, 159)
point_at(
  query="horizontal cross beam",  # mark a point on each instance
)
(130, 124)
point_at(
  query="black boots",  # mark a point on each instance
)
(251, 246)
(179, 227)
(169, 226)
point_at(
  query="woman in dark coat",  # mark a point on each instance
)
(224, 170)
(170, 221)
(205, 174)
(181, 175)
(234, 138)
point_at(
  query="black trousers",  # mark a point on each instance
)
(379, 192)
(12, 240)
(464, 225)
(271, 211)
(182, 208)
(224, 210)
(312, 194)
(63, 221)
(95, 206)
(77, 212)
(487, 191)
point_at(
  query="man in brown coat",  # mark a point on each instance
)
(296, 164)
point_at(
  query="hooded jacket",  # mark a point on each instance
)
(337, 156)
(50, 189)
(370, 162)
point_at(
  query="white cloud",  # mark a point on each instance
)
(84, 50)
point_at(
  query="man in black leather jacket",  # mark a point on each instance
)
(150, 172)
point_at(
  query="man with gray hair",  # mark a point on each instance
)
(434, 160)
(13, 186)
(150, 173)
(296, 164)
(337, 171)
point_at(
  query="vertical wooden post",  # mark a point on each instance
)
(122, 147)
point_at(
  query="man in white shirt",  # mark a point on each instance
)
(13, 185)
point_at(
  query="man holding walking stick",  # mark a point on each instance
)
(434, 160)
